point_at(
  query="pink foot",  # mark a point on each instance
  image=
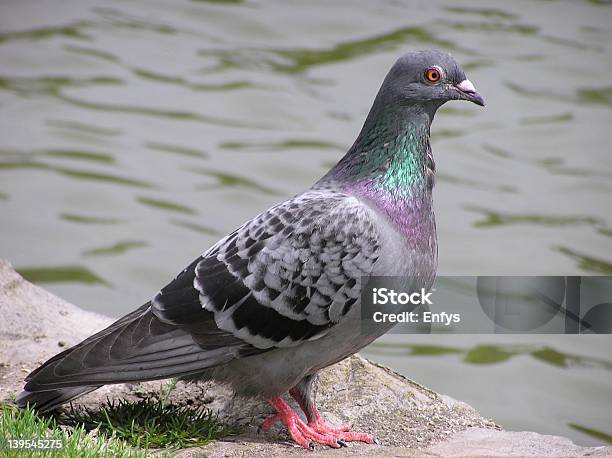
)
(315, 431)
(342, 433)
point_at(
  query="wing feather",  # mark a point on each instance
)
(287, 276)
(292, 273)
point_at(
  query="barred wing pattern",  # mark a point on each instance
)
(287, 276)
(284, 277)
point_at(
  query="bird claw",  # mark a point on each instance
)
(341, 434)
(317, 430)
(376, 441)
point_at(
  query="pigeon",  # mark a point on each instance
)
(278, 299)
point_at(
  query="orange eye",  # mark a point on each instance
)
(433, 75)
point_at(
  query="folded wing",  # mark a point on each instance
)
(285, 277)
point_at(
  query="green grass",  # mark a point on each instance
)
(76, 442)
(120, 428)
(151, 423)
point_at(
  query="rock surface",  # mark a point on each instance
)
(409, 419)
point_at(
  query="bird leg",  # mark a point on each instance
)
(299, 431)
(302, 393)
(316, 429)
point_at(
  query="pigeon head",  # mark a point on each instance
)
(428, 79)
(393, 143)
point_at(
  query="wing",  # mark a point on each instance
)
(286, 276)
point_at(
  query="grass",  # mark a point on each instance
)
(120, 428)
(75, 442)
(149, 423)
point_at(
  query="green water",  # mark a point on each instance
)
(134, 134)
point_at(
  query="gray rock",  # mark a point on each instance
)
(408, 418)
(487, 442)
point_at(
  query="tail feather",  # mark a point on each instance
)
(49, 400)
(138, 347)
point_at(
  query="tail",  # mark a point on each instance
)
(138, 347)
(36, 396)
(49, 400)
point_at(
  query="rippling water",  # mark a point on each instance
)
(134, 134)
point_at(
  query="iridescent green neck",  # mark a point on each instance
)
(392, 155)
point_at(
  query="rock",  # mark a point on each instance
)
(409, 419)
(487, 442)
(34, 323)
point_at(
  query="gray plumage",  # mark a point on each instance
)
(253, 303)
(278, 299)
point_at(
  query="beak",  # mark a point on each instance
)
(468, 92)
